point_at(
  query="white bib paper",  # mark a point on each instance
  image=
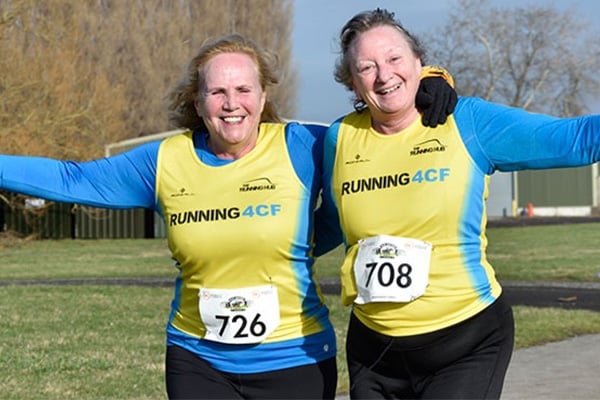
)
(391, 269)
(239, 316)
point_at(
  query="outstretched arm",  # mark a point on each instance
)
(122, 181)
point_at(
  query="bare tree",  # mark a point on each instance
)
(78, 75)
(53, 101)
(537, 57)
(75, 76)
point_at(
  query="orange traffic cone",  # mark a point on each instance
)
(530, 209)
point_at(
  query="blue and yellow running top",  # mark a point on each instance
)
(431, 184)
(240, 231)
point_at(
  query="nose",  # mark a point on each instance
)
(384, 72)
(231, 102)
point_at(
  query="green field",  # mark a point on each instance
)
(107, 341)
(561, 253)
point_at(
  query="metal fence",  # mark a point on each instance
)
(63, 221)
(57, 223)
(68, 221)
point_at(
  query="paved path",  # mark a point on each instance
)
(556, 371)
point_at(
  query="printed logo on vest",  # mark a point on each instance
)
(428, 146)
(182, 193)
(258, 184)
(357, 160)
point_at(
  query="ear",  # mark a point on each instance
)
(418, 65)
(263, 100)
(355, 91)
(198, 106)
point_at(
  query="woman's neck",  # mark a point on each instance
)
(391, 124)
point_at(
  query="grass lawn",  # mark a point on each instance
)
(107, 342)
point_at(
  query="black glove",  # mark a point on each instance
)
(436, 100)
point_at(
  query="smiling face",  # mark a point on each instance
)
(386, 76)
(230, 101)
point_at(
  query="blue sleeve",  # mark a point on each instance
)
(327, 200)
(510, 139)
(122, 181)
(305, 146)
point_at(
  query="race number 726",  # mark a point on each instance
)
(239, 315)
(244, 329)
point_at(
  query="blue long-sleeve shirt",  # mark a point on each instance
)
(129, 180)
(432, 185)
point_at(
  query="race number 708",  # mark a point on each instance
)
(386, 274)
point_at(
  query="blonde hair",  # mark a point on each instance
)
(181, 99)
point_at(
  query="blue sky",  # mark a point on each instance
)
(317, 24)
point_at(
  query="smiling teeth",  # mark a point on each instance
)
(232, 119)
(386, 91)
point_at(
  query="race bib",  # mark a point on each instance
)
(391, 269)
(239, 316)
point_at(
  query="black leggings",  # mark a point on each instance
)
(465, 361)
(190, 377)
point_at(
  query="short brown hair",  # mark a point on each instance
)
(360, 23)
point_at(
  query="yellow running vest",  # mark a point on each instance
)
(412, 184)
(236, 226)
